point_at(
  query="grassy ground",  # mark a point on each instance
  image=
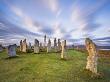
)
(29, 67)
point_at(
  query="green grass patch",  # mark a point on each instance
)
(48, 67)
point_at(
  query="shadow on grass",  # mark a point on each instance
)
(13, 57)
(25, 69)
(99, 75)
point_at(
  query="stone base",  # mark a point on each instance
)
(36, 50)
(92, 64)
(94, 75)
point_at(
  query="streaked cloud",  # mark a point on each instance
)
(70, 20)
(53, 5)
(83, 16)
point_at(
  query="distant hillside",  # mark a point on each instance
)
(98, 47)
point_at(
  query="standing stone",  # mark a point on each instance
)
(21, 45)
(24, 44)
(92, 57)
(1, 48)
(63, 52)
(29, 47)
(77, 47)
(45, 41)
(49, 46)
(55, 45)
(65, 44)
(41, 47)
(12, 50)
(36, 46)
(59, 45)
(73, 46)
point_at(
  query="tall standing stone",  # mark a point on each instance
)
(29, 47)
(21, 45)
(65, 43)
(36, 46)
(41, 47)
(24, 44)
(45, 41)
(55, 44)
(1, 48)
(59, 45)
(11, 50)
(49, 46)
(92, 57)
(63, 52)
(73, 46)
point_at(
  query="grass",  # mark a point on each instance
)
(48, 67)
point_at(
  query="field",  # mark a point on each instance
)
(48, 67)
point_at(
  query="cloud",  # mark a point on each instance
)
(17, 11)
(26, 22)
(25, 19)
(13, 34)
(103, 38)
(33, 26)
(83, 17)
(49, 18)
(102, 41)
(58, 29)
(6, 28)
(47, 30)
(53, 5)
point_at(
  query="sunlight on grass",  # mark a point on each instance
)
(44, 67)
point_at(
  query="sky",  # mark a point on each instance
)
(71, 20)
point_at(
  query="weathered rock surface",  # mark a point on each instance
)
(92, 56)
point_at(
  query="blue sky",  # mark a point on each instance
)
(73, 20)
